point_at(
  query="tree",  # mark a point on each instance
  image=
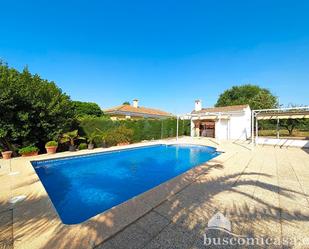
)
(33, 110)
(255, 96)
(71, 137)
(126, 103)
(87, 108)
(291, 124)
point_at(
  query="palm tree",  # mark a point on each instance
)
(91, 137)
(71, 137)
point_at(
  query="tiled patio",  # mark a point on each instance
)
(264, 192)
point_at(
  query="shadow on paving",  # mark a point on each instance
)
(306, 149)
(181, 221)
(6, 229)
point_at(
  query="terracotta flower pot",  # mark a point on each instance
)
(51, 149)
(6, 154)
(34, 153)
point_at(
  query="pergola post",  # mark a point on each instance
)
(177, 128)
(252, 128)
(256, 131)
(278, 135)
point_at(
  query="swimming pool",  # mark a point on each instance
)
(81, 187)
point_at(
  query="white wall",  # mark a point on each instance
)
(192, 129)
(240, 125)
(283, 142)
(222, 129)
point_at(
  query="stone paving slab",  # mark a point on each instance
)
(263, 193)
(6, 231)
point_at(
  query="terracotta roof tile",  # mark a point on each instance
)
(138, 110)
(222, 109)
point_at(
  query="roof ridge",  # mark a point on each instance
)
(114, 108)
(225, 106)
(139, 109)
(229, 108)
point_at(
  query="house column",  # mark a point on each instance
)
(192, 131)
(197, 128)
(229, 128)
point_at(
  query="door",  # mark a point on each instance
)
(222, 129)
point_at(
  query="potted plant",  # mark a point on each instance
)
(51, 147)
(29, 151)
(6, 154)
(91, 138)
(71, 137)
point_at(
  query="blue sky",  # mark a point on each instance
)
(165, 53)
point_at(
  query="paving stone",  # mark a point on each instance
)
(260, 191)
(132, 237)
(6, 230)
(106, 245)
(174, 237)
(152, 223)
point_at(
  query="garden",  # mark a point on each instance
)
(37, 117)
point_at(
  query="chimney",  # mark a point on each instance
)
(135, 103)
(198, 105)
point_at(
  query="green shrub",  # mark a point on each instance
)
(28, 149)
(143, 129)
(87, 108)
(32, 110)
(51, 144)
(117, 135)
(82, 146)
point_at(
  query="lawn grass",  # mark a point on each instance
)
(284, 134)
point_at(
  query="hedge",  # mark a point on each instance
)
(143, 129)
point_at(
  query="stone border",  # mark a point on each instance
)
(99, 228)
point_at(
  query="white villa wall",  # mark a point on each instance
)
(282, 142)
(192, 133)
(222, 129)
(240, 125)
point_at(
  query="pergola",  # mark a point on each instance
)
(276, 114)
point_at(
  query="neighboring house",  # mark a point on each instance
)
(135, 112)
(229, 122)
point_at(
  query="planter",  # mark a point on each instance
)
(6, 154)
(51, 149)
(72, 148)
(123, 143)
(90, 146)
(34, 153)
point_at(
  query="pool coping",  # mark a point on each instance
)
(38, 209)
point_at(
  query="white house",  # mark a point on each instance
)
(224, 123)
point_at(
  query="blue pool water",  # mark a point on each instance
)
(81, 187)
